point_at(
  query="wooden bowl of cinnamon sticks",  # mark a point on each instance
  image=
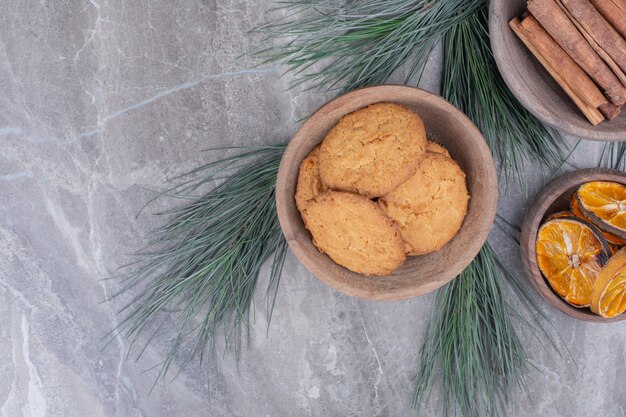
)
(565, 61)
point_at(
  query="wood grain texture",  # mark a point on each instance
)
(421, 274)
(533, 86)
(556, 197)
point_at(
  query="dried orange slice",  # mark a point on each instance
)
(570, 254)
(603, 203)
(574, 207)
(614, 248)
(609, 291)
(611, 238)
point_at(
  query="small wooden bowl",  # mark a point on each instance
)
(421, 274)
(556, 197)
(534, 87)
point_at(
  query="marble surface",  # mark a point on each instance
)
(102, 96)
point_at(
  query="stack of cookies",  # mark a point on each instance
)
(376, 191)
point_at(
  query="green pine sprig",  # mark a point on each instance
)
(471, 344)
(357, 43)
(202, 265)
(472, 347)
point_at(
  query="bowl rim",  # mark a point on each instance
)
(292, 233)
(532, 221)
(507, 70)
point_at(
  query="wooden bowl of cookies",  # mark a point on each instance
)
(533, 85)
(553, 203)
(359, 190)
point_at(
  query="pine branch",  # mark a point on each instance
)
(358, 43)
(471, 347)
(202, 266)
(472, 82)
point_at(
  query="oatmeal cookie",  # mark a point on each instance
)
(309, 183)
(354, 232)
(373, 150)
(431, 206)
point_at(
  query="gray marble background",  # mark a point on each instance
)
(99, 96)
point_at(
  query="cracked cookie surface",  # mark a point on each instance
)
(354, 232)
(373, 150)
(309, 182)
(430, 207)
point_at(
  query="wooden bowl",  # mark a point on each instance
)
(556, 197)
(534, 87)
(421, 274)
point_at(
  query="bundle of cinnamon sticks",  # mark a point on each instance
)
(582, 44)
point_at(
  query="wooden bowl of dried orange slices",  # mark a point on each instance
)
(573, 244)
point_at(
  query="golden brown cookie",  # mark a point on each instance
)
(354, 232)
(434, 147)
(309, 183)
(430, 206)
(373, 150)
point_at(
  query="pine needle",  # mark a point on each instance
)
(202, 266)
(613, 155)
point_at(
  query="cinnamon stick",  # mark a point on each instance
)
(561, 67)
(578, 81)
(614, 11)
(558, 25)
(610, 110)
(607, 38)
(596, 47)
